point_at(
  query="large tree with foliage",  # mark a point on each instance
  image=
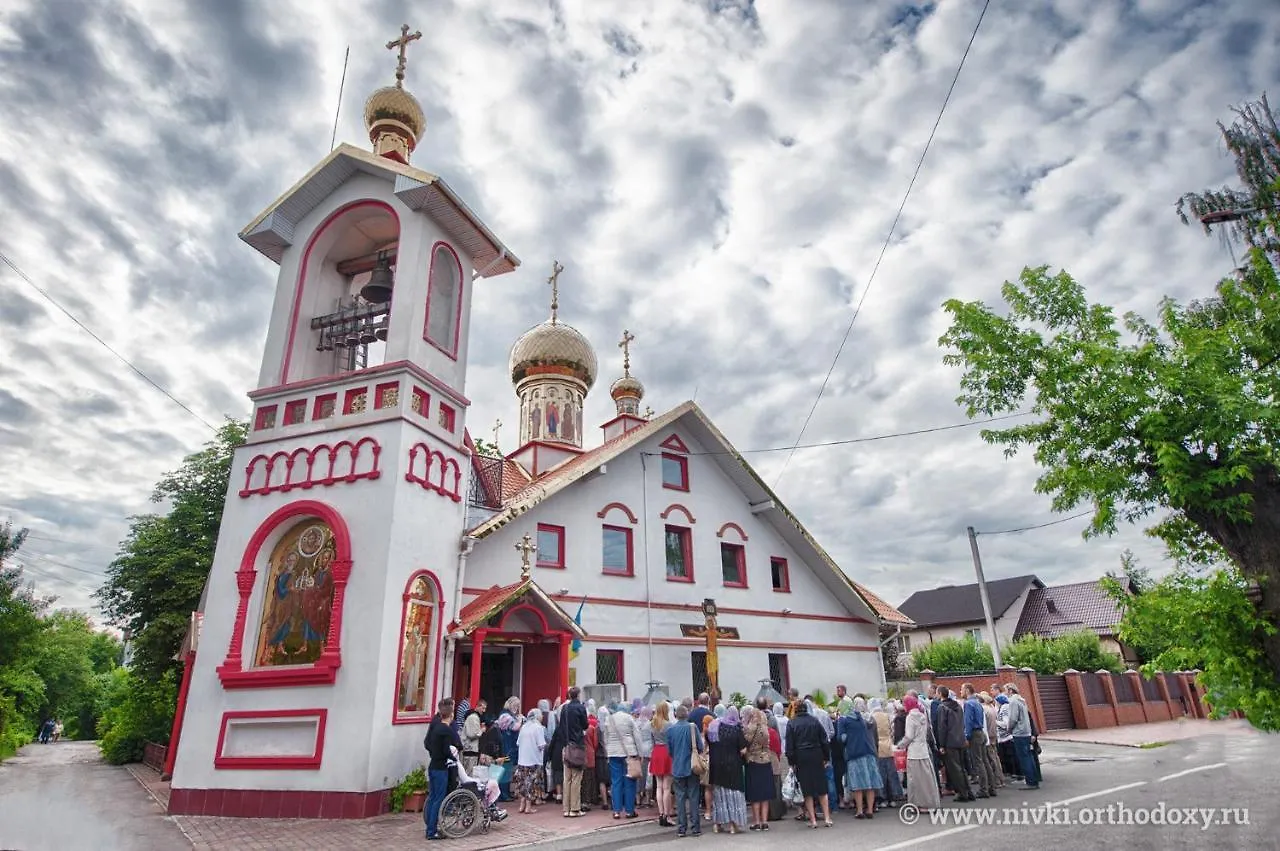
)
(21, 626)
(1177, 416)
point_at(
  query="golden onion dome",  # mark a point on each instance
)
(392, 103)
(627, 385)
(553, 348)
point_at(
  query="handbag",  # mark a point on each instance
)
(575, 756)
(900, 760)
(697, 759)
(634, 767)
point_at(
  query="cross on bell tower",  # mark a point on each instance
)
(402, 42)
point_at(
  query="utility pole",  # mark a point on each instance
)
(982, 592)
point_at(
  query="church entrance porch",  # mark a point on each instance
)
(519, 641)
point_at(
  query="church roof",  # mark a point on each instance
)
(499, 598)
(272, 231)
(753, 487)
(888, 614)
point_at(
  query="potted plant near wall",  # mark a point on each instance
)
(410, 794)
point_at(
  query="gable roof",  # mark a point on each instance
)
(888, 614)
(271, 232)
(962, 603)
(1081, 605)
(732, 464)
(499, 598)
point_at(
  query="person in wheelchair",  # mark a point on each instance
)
(486, 790)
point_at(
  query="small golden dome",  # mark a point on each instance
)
(392, 103)
(551, 348)
(627, 385)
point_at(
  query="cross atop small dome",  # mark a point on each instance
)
(392, 115)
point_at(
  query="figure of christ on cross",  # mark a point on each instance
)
(712, 633)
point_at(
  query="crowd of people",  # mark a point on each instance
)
(698, 761)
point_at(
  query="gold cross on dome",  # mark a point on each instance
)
(625, 345)
(526, 547)
(554, 281)
(402, 42)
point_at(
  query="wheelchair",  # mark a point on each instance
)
(463, 810)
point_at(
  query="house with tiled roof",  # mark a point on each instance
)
(1058, 609)
(955, 611)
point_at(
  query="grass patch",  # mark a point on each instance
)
(1146, 746)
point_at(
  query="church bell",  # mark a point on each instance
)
(378, 289)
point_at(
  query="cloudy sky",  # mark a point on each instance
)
(716, 175)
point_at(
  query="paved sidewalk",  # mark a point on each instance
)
(1138, 735)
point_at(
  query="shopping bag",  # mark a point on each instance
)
(900, 760)
(791, 788)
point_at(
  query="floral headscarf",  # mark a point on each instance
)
(731, 717)
(713, 732)
(910, 702)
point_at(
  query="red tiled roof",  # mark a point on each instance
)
(483, 607)
(886, 613)
(1081, 605)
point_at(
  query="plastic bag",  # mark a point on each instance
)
(791, 788)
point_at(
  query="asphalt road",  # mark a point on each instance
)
(63, 797)
(1238, 773)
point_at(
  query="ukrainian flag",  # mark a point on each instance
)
(577, 642)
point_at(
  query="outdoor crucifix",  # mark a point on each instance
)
(713, 633)
(554, 281)
(402, 42)
(526, 547)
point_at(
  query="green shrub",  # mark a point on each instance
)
(953, 656)
(137, 712)
(414, 781)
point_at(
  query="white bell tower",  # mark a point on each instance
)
(320, 658)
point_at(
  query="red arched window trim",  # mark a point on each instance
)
(439, 627)
(452, 354)
(602, 513)
(675, 506)
(524, 607)
(306, 261)
(325, 670)
(735, 527)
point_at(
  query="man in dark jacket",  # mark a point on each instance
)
(440, 738)
(573, 720)
(952, 743)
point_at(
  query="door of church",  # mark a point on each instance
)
(498, 668)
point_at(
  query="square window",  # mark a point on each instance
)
(446, 418)
(733, 564)
(421, 402)
(616, 550)
(550, 546)
(780, 574)
(974, 635)
(779, 672)
(679, 547)
(266, 418)
(355, 401)
(325, 406)
(698, 666)
(609, 666)
(386, 395)
(295, 412)
(675, 472)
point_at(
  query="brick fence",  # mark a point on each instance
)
(1024, 679)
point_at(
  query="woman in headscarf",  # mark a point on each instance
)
(890, 785)
(527, 781)
(1004, 740)
(839, 768)
(728, 804)
(809, 752)
(780, 715)
(590, 741)
(707, 720)
(922, 779)
(509, 723)
(759, 774)
(555, 754)
(863, 772)
(644, 732)
(603, 772)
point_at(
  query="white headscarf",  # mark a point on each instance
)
(824, 718)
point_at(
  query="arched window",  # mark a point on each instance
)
(419, 639)
(298, 599)
(444, 300)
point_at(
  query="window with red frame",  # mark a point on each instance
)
(444, 300)
(295, 412)
(550, 545)
(780, 574)
(679, 547)
(446, 417)
(733, 563)
(675, 472)
(616, 550)
(325, 406)
(265, 418)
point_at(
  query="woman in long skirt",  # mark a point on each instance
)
(890, 785)
(809, 752)
(759, 774)
(728, 802)
(922, 779)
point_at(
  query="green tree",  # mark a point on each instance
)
(953, 656)
(21, 628)
(156, 579)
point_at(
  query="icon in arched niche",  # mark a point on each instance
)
(568, 429)
(553, 419)
(535, 422)
(415, 658)
(299, 597)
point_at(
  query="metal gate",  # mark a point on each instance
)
(1055, 702)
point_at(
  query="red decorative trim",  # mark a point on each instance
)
(448, 418)
(683, 484)
(735, 527)
(786, 574)
(367, 373)
(439, 626)
(265, 418)
(272, 762)
(728, 642)
(740, 556)
(306, 261)
(380, 394)
(421, 403)
(675, 444)
(452, 354)
(545, 628)
(447, 481)
(339, 463)
(620, 666)
(690, 607)
(278, 803)
(686, 548)
(631, 565)
(558, 531)
(630, 514)
(325, 670)
(630, 419)
(317, 411)
(675, 506)
(295, 412)
(179, 715)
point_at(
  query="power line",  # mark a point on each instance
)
(48, 560)
(1039, 525)
(52, 576)
(21, 274)
(888, 238)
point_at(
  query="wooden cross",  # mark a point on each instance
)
(554, 281)
(402, 42)
(625, 345)
(497, 427)
(526, 547)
